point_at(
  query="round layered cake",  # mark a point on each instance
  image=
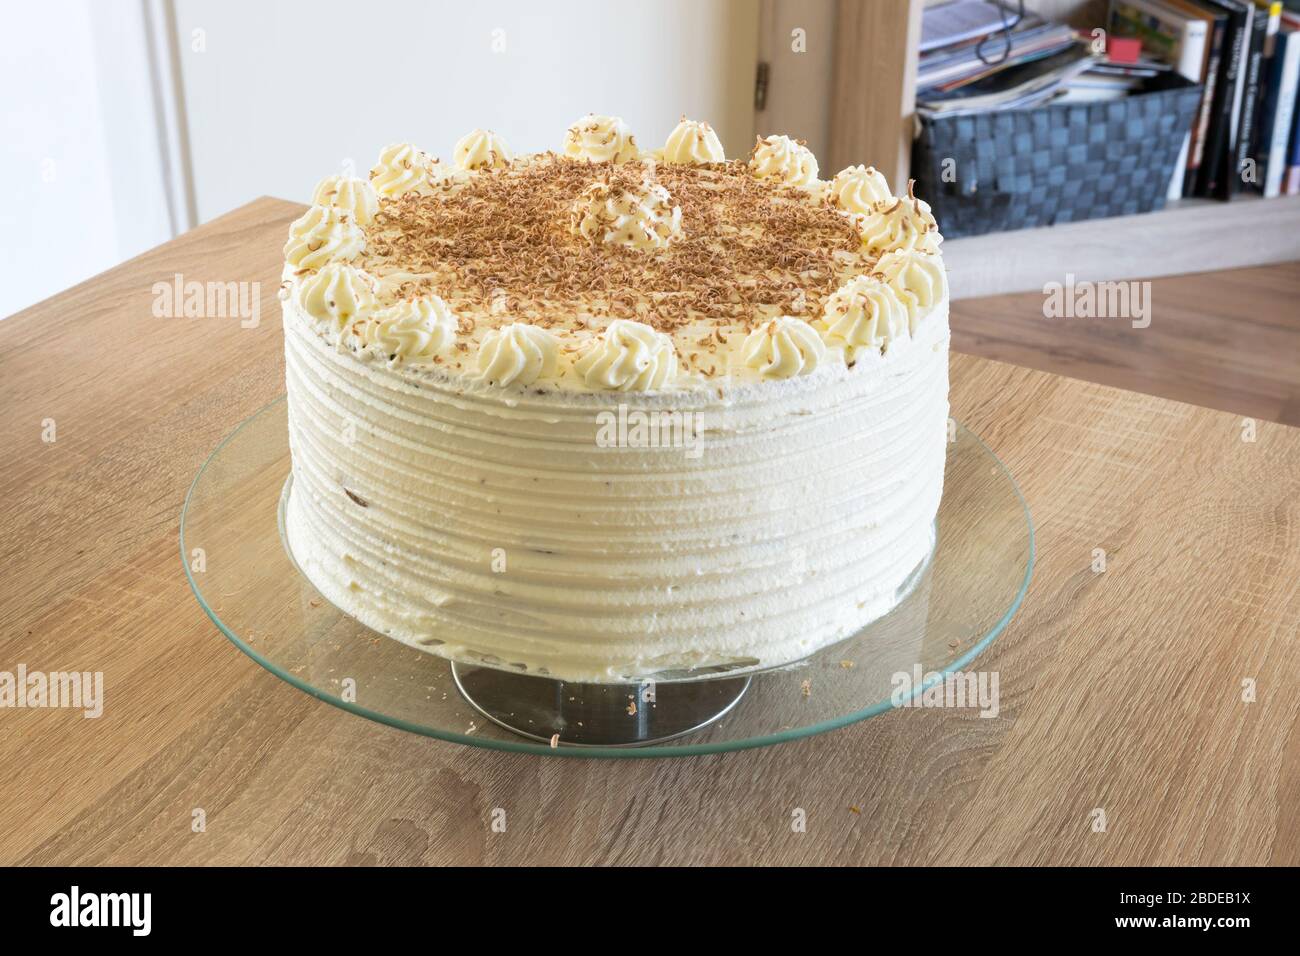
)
(605, 412)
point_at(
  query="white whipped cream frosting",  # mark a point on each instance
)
(811, 500)
(518, 354)
(785, 160)
(783, 347)
(401, 168)
(857, 189)
(918, 278)
(628, 356)
(692, 143)
(412, 330)
(481, 149)
(903, 223)
(865, 314)
(323, 234)
(349, 195)
(336, 296)
(644, 219)
(600, 139)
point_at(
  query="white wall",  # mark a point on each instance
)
(278, 95)
(79, 167)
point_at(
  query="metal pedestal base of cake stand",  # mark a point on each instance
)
(596, 715)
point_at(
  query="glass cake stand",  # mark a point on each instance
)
(246, 580)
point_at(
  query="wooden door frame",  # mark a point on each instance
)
(873, 95)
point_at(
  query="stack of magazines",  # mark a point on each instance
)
(1110, 79)
(978, 56)
(1246, 53)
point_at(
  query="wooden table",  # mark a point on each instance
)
(1228, 340)
(1120, 691)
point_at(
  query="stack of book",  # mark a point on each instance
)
(1246, 53)
(1111, 79)
(976, 57)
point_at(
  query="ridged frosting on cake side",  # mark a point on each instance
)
(484, 524)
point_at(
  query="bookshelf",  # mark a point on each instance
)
(875, 50)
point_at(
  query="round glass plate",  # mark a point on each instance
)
(246, 581)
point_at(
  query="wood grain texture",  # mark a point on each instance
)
(873, 86)
(1120, 690)
(798, 101)
(1228, 340)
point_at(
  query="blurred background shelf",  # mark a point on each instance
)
(1188, 235)
(871, 88)
(868, 92)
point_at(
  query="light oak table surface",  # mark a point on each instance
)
(1125, 691)
(1228, 339)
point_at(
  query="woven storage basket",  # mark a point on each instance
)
(1034, 167)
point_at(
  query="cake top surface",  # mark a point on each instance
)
(601, 266)
(498, 246)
